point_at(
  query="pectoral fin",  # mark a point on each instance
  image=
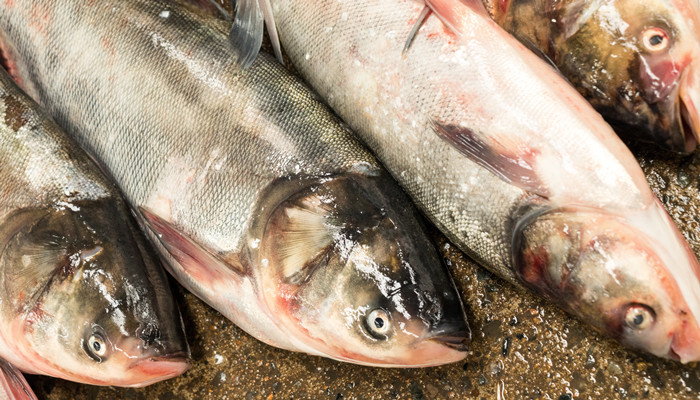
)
(197, 262)
(246, 35)
(513, 164)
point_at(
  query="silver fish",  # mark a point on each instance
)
(80, 299)
(262, 203)
(505, 158)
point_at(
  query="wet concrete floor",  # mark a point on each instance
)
(523, 347)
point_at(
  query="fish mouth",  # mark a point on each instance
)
(459, 341)
(150, 370)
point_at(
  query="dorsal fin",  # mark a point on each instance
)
(246, 35)
(449, 13)
(452, 12)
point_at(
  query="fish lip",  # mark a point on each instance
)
(456, 342)
(159, 368)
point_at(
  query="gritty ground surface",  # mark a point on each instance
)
(523, 347)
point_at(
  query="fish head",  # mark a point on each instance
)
(637, 63)
(637, 287)
(354, 277)
(90, 304)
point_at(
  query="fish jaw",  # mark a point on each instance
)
(146, 371)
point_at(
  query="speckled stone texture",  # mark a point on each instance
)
(523, 347)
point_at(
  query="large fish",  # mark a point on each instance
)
(264, 205)
(637, 62)
(80, 299)
(13, 386)
(506, 158)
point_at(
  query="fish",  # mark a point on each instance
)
(81, 296)
(14, 386)
(261, 202)
(637, 63)
(505, 158)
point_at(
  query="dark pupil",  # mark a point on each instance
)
(378, 322)
(655, 41)
(96, 346)
(638, 319)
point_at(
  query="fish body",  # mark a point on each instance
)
(80, 297)
(637, 63)
(14, 386)
(262, 203)
(505, 158)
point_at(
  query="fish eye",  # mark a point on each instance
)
(378, 323)
(96, 347)
(655, 39)
(639, 317)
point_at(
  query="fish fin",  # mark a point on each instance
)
(246, 35)
(14, 383)
(451, 14)
(198, 262)
(574, 14)
(412, 35)
(272, 29)
(304, 236)
(515, 168)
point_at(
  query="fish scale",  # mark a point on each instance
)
(230, 171)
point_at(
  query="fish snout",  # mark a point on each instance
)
(685, 343)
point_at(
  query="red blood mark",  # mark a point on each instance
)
(660, 75)
(503, 6)
(9, 3)
(535, 262)
(286, 298)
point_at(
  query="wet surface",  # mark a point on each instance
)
(523, 347)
